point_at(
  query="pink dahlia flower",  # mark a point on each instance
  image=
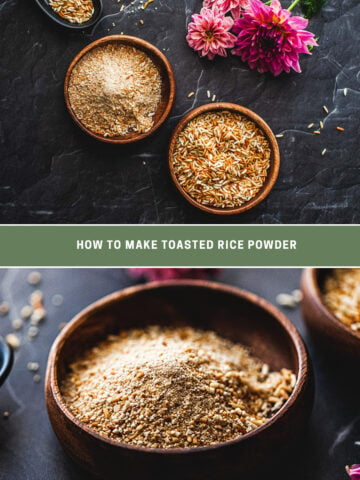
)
(150, 274)
(354, 472)
(269, 39)
(224, 6)
(209, 33)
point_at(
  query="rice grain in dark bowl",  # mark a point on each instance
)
(229, 312)
(81, 24)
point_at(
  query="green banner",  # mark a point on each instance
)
(186, 245)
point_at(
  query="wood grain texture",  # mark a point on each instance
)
(232, 313)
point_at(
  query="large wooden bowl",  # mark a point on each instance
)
(232, 313)
(167, 90)
(274, 156)
(321, 322)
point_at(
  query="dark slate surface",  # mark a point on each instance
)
(29, 449)
(52, 173)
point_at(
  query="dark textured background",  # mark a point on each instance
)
(29, 449)
(51, 172)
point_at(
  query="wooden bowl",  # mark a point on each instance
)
(6, 360)
(98, 7)
(321, 322)
(167, 90)
(232, 313)
(274, 158)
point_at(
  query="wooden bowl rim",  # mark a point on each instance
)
(274, 158)
(310, 278)
(152, 51)
(52, 384)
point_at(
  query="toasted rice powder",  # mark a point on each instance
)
(341, 295)
(115, 89)
(221, 159)
(172, 388)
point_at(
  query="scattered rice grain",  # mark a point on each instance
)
(13, 340)
(34, 278)
(57, 300)
(33, 332)
(33, 366)
(17, 324)
(4, 308)
(26, 311)
(286, 300)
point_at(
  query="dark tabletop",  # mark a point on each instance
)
(29, 449)
(51, 172)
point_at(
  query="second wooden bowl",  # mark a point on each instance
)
(168, 87)
(232, 313)
(274, 158)
(321, 322)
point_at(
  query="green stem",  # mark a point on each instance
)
(293, 5)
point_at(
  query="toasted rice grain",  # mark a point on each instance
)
(74, 11)
(221, 159)
(341, 295)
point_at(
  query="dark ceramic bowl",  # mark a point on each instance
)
(326, 329)
(6, 360)
(98, 7)
(167, 90)
(232, 313)
(274, 157)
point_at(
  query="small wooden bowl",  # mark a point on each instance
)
(321, 322)
(167, 90)
(232, 313)
(6, 360)
(274, 158)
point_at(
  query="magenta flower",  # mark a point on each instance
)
(224, 6)
(353, 472)
(209, 33)
(269, 39)
(150, 274)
